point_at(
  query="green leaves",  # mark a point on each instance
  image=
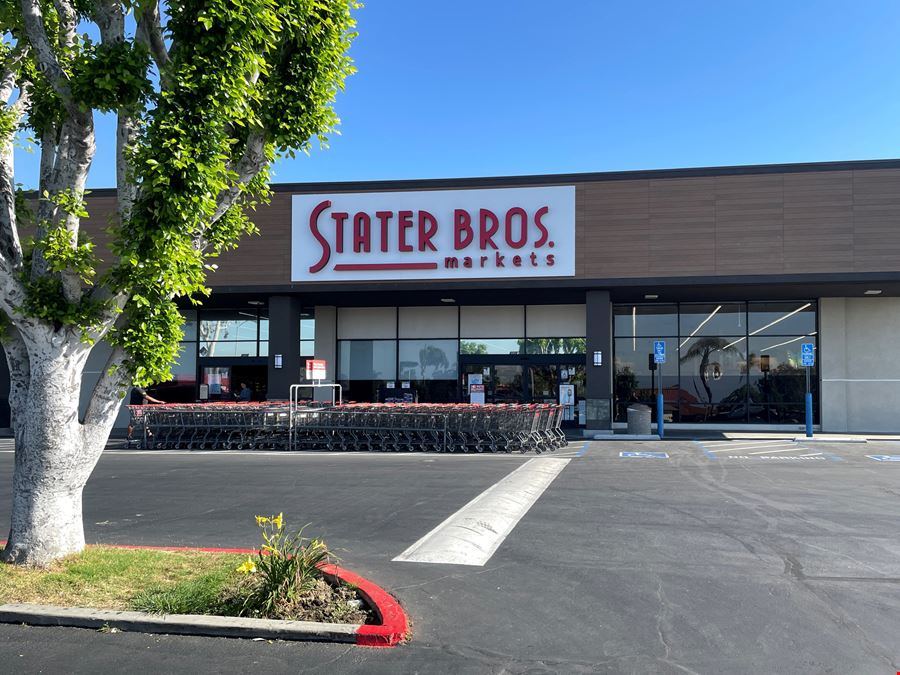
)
(243, 80)
(110, 77)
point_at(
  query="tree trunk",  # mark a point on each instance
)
(54, 456)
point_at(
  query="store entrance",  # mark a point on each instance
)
(223, 383)
(547, 379)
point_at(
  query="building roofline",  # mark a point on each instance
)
(565, 178)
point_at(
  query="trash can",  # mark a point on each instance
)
(639, 419)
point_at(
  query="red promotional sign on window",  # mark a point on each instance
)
(315, 369)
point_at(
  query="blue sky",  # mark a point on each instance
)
(475, 87)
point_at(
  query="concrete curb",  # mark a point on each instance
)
(393, 629)
(177, 624)
(831, 439)
(626, 437)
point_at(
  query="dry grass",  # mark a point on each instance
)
(111, 578)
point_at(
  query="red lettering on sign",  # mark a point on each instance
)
(462, 229)
(362, 233)
(383, 218)
(323, 242)
(428, 227)
(488, 224)
(543, 211)
(404, 222)
(339, 218)
(523, 227)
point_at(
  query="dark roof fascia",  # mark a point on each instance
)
(567, 178)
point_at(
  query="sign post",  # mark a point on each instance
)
(659, 358)
(808, 360)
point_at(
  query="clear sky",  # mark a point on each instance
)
(500, 87)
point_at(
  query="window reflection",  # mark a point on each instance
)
(428, 359)
(736, 362)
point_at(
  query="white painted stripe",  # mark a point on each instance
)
(472, 535)
(772, 452)
(812, 454)
(747, 441)
(762, 445)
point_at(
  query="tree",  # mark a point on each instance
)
(206, 94)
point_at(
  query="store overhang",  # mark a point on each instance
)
(555, 291)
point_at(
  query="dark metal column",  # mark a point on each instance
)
(284, 339)
(599, 378)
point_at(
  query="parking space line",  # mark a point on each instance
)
(812, 454)
(772, 452)
(472, 535)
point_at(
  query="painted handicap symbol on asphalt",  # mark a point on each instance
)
(885, 458)
(644, 454)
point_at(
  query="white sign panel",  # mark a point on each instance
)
(434, 234)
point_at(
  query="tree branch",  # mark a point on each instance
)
(111, 21)
(19, 374)
(105, 401)
(46, 57)
(149, 32)
(250, 164)
(10, 246)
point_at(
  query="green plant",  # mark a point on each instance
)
(285, 569)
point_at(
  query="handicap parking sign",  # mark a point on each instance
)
(644, 454)
(885, 458)
(659, 351)
(807, 354)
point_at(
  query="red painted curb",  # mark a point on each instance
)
(394, 626)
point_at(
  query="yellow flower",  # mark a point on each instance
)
(278, 521)
(248, 567)
(260, 520)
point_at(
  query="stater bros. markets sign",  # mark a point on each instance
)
(435, 234)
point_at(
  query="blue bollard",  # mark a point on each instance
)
(809, 416)
(660, 426)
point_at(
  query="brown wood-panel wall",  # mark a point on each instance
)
(779, 223)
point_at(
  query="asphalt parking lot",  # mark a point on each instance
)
(708, 556)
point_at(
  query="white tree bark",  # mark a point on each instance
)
(54, 457)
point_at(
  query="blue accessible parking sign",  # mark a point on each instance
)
(807, 354)
(644, 454)
(885, 458)
(659, 351)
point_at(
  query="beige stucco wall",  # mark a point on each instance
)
(859, 339)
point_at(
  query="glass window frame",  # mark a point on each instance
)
(775, 334)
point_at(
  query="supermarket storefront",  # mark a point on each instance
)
(553, 288)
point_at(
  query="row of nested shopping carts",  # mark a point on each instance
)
(402, 427)
(395, 427)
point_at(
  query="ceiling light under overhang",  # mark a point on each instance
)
(874, 291)
(650, 296)
(448, 300)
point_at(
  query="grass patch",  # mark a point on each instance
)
(170, 582)
(114, 578)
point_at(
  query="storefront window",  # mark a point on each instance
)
(778, 380)
(428, 359)
(713, 379)
(307, 333)
(636, 381)
(367, 359)
(233, 333)
(574, 345)
(645, 320)
(732, 362)
(491, 346)
(782, 318)
(713, 319)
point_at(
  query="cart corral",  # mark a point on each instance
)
(309, 425)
